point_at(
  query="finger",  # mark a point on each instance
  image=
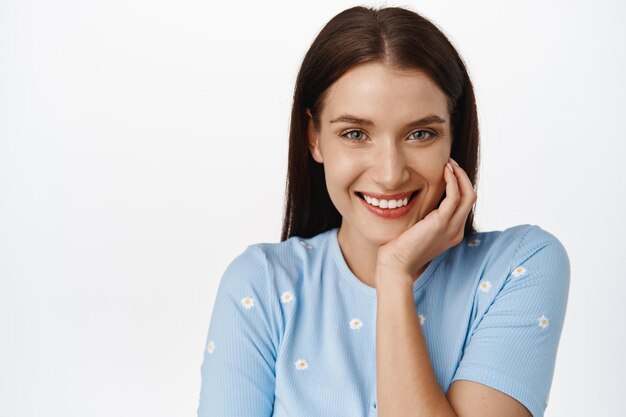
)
(467, 197)
(449, 204)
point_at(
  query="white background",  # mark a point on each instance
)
(143, 145)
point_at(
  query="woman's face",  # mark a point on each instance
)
(388, 151)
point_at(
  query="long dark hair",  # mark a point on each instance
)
(393, 36)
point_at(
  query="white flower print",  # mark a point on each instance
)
(474, 243)
(422, 319)
(210, 347)
(356, 324)
(485, 286)
(247, 302)
(543, 321)
(520, 270)
(301, 364)
(287, 297)
(306, 244)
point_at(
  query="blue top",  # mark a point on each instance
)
(293, 330)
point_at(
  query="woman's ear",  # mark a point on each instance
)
(313, 139)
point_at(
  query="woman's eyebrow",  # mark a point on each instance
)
(348, 118)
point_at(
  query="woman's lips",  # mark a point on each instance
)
(390, 213)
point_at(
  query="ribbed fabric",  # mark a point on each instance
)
(293, 330)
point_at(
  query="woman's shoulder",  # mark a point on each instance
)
(283, 260)
(295, 249)
(296, 244)
(522, 234)
(511, 246)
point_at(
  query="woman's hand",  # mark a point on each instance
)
(441, 229)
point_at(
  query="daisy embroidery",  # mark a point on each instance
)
(305, 244)
(543, 321)
(422, 319)
(474, 243)
(301, 364)
(356, 324)
(210, 347)
(247, 302)
(519, 271)
(286, 297)
(484, 286)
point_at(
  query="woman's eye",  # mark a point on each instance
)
(430, 134)
(353, 138)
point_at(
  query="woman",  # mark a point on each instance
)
(382, 298)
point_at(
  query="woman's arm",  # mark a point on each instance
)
(406, 382)
(238, 366)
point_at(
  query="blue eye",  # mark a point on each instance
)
(351, 138)
(431, 135)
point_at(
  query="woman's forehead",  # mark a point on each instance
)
(376, 91)
(375, 87)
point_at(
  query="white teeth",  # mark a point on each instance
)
(391, 204)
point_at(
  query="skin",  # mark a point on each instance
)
(391, 254)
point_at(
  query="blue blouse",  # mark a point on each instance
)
(293, 330)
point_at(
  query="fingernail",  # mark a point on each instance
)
(449, 167)
(454, 162)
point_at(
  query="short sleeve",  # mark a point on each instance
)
(238, 368)
(513, 347)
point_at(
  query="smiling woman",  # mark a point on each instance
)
(387, 157)
(382, 298)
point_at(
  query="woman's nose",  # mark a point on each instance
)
(390, 167)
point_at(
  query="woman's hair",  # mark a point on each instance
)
(393, 36)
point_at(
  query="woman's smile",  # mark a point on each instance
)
(389, 209)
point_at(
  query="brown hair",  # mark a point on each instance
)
(391, 35)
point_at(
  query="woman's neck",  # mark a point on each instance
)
(361, 255)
